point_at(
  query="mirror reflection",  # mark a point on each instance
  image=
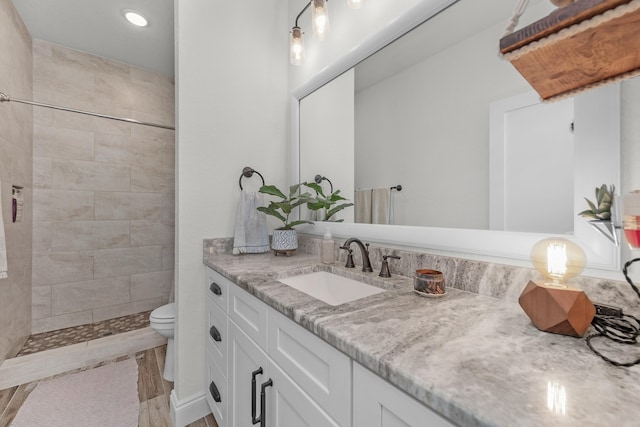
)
(418, 114)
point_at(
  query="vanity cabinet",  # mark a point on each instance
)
(251, 348)
(312, 387)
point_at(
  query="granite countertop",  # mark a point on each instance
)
(475, 359)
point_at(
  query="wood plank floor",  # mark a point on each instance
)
(153, 393)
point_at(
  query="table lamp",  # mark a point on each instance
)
(553, 305)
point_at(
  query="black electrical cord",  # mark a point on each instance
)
(622, 328)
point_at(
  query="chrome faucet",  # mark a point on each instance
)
(366, 263)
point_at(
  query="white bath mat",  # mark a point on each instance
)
(106, 397)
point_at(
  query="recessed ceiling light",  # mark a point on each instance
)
(135, 18)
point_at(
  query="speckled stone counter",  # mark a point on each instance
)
(476, 359)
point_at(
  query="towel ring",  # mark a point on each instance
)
(319, 178)
(248, 172)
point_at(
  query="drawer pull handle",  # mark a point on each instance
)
(258, 371)
(263, 402)
(215, 288)
(214, 392)
(215, 334)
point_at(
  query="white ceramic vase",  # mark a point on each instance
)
(284, 240)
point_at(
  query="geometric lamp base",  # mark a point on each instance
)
(559, 310)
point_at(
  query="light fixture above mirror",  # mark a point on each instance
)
(320, 24)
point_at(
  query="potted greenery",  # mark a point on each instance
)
(285, 238)
(326, 203)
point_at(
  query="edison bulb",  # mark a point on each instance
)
(558, 260)
(320, 18)
(296, 46)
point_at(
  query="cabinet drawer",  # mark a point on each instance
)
(216, 389)
(250, 314)
(218, 288)
(217, 340)
(319, 369)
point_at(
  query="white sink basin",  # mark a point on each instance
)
(330, 288)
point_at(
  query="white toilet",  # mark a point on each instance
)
(163, 320)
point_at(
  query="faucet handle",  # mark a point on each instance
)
(384, 269)
(350, 263)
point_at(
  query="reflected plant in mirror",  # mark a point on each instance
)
(327, 206)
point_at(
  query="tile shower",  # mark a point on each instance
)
(97, 238)
(103, 198)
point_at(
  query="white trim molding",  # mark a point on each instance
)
(188, 410)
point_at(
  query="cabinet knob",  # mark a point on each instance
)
(215, 288)
(214, 392)
(215, 334)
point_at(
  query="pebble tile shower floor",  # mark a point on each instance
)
(78, 334)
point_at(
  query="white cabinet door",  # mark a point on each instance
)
(319, 369)
(285, 403)
(246, 360)
(376, 403)
(289, 406)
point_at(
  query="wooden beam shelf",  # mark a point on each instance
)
(584, 45)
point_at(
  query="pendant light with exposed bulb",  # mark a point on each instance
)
(320, 23)
(320, 18)
(296, 46)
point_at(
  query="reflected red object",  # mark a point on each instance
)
(631, 226)
(633, 238)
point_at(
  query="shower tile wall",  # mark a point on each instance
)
(103, 197)
(15, 169)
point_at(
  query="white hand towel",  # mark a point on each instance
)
(380, 202)
(363, 206)
(3, 244)
(251, 234)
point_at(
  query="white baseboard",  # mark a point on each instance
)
(188, 410)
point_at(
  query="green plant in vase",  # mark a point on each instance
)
(285, 238)
(329, 203)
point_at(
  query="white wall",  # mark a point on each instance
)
(231, 112)
(327, 129)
